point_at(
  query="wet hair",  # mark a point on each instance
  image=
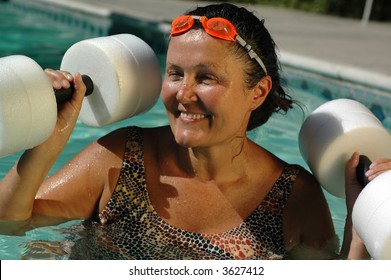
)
(253, 31)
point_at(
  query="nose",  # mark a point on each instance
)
(186, 93)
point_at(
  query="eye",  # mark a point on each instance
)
(206, 78)
(174, 75)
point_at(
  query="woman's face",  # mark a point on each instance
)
(204, 91)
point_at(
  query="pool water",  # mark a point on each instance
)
(46, 38)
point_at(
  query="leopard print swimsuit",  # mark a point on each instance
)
(129, 227)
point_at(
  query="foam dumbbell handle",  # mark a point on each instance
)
(63, 95)
(361, 169)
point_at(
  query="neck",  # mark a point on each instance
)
(219, 164)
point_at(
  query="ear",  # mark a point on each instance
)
(260, 92)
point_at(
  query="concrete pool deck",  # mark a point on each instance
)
(338, 47)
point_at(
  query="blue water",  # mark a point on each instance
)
(45, 38)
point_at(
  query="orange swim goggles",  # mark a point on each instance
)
(217, 27)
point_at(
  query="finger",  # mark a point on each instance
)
(59, 79)
(53, 78)
(378, 167)
(381, 164)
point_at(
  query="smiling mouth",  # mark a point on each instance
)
(191, 116)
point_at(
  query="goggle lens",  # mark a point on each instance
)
(220, 28)
(181, 24)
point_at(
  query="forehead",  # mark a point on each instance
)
(197, 45)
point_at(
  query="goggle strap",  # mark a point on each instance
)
(251, 52)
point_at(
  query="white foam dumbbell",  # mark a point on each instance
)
(333, 132)
(126, 79)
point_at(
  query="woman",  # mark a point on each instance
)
(198, 189)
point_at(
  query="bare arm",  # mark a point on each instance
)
(308, 226)
(315, 233)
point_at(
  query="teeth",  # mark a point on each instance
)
(193, 116)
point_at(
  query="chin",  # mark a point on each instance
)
(187, 139)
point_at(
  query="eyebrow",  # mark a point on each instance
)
(201, 66)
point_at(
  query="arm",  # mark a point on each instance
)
(74, 191)
(308, 226)
(85, 184)
(20, 186)
(317, 239)
(80, 188)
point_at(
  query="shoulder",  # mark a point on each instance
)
(306, 193)
(307, 216)
(305, 180)
(107, 152)
(305, 184)
(113, 138)
(116, 141)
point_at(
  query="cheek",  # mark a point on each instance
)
(168, 93)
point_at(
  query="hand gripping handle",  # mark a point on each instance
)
(64, 95)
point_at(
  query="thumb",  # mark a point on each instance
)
(350, 169)
(80, 91)
(352, 186)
